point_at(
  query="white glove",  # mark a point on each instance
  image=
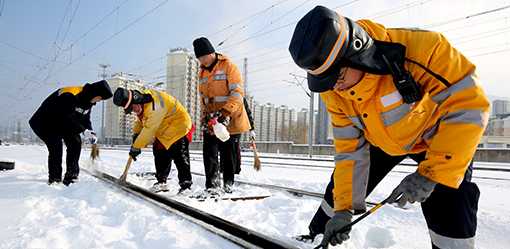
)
(90, 135)
(253, 135)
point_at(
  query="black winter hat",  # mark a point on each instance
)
(202, 46)
(100, 88)
(126, 98)
(324, 41)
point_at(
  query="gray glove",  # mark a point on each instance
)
(336, 232)
(413, 187)
(134, 152)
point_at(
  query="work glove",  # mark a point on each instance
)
(253, 135)
(223, 117)
(134, 152)
(336, 232)
(90, 135)
(414, 187)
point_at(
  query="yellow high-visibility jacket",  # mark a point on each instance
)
(164, 119)
(221, 89)
(447, 122)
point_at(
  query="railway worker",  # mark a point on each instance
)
(221, 98)
(393, 93)
(165, 123)
(63, 116)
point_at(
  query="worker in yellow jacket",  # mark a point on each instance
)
(221, 98)
(391, 94)
(164, 123)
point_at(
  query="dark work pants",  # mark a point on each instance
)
(179, 153)
(73, 149)
(450, 213)
(228, 159)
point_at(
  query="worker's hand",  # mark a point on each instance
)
(135, 136)
(134, 152)
(253, 135)
(225, 120)
(412, 188)
(223, 117)
(90, 135)
(336, 231)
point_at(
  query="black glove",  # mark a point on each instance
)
(225, 120)
(336, 232)
(135, 135)
(134, 152)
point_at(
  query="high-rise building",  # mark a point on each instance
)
(182, 83)
(322, 124)
(283, 123)
(301, 131)
(118, 125)
(500, 107)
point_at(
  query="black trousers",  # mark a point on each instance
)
(450, 213)
(179, 153)
(228, 159)
(73, 149)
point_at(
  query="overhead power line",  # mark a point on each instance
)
(438, 24)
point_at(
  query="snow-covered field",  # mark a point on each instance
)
(92, 214)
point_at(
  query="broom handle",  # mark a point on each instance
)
(126, 169)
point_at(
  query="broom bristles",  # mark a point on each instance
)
(94, 152)
(256, 159)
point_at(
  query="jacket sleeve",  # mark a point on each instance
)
(235, 87)
(137, 126)
(149, 128)
(248, 112)
(464, 111)
(352, 160)
(461, 105)
(86, 121)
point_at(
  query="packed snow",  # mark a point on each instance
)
(93, 214)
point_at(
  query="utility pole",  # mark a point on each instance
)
(299, 81)
(18, 132)
(245, 78)
(245, 71)
(103, 75)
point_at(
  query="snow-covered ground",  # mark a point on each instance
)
(92, 214)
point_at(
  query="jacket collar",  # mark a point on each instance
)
(362, 91)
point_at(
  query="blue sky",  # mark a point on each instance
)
(40, 29)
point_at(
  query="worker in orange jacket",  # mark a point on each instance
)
(392, 94)
(221, 99)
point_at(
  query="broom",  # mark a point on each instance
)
(94, 151)
(256, 159)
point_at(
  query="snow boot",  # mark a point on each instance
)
(184, 186)
(159, 187)
(69, 180)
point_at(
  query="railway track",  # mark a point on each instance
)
(239, 235)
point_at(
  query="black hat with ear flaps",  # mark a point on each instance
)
(324, 41)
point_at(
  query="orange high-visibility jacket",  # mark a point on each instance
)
(222, 89)
(164, 119)
(447, 122)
